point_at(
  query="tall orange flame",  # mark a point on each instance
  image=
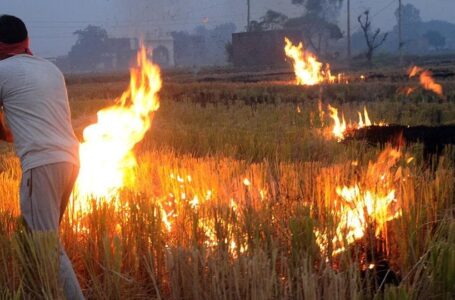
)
(308, 70)
(371, 202)
(107, 159)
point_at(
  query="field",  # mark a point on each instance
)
(238, 195)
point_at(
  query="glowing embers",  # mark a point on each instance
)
(187, 203)
(308, 70)
(106, 154)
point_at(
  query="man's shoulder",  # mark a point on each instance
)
(27, 63)
(24, 58)
(8, 67)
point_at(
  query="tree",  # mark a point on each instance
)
(326, 9)
(318, 22)
(409, 14)
(229, 50)
(273, 20)
(204, 46)
(90, 46)
(435, 39)
(316, 31)
(255, 26)
(371, 38)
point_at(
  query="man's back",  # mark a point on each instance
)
(34, 98)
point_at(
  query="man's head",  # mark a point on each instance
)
(12, 30)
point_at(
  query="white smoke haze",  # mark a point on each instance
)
(52, 22)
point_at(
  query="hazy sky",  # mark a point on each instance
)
(52, 22)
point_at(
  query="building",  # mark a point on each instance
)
(162, 49)
(118, 54)
(263, 48)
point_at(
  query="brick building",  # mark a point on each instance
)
(262, 49)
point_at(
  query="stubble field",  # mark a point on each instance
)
(240, 193)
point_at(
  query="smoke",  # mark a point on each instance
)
(52, 22)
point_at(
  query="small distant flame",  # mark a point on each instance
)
(307, 68)
(426, 80)
(371, 202)
(406, 90)
(340, 126)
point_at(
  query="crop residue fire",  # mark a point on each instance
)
(307, 68)
(341, 127)
(106, 155)
(372, 201)
(426, 80)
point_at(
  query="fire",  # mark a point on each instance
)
(426, 80)
(340, 126)
(371, 202)
(107, 159)
(307, 68)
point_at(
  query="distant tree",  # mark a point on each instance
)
(411, 21)
(435, 39)
(326, 9)
(273, 20)
(255, 26)
(204, 46)
(318, 22)
(90, 46)
(229, 49)
(189, 49)
(216, 44)
(409, 13)
(371, 38)
(316, 31)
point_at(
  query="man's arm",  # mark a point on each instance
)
(5, 133)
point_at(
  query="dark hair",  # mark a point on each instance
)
(12, 30)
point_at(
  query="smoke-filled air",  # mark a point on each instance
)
(215, 149)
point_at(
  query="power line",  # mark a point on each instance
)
(194, 21)
(378, 13)
(114, 26)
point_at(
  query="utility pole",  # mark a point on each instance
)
(349, 30)
(400, 31)
(248, 15)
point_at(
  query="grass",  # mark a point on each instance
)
(247, 241)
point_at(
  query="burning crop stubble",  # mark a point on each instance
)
(232, 196)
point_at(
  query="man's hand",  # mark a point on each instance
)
(5, 133)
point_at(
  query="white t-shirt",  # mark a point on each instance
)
(35, 102)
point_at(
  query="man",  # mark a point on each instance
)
(35, 104)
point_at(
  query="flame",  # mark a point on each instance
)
(340, 126)
(426, 80)
(307, 68)
(107, 159)
(186, 194)
(357, 207)
(406, 90)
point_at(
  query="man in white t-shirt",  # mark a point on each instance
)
(37, 119)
